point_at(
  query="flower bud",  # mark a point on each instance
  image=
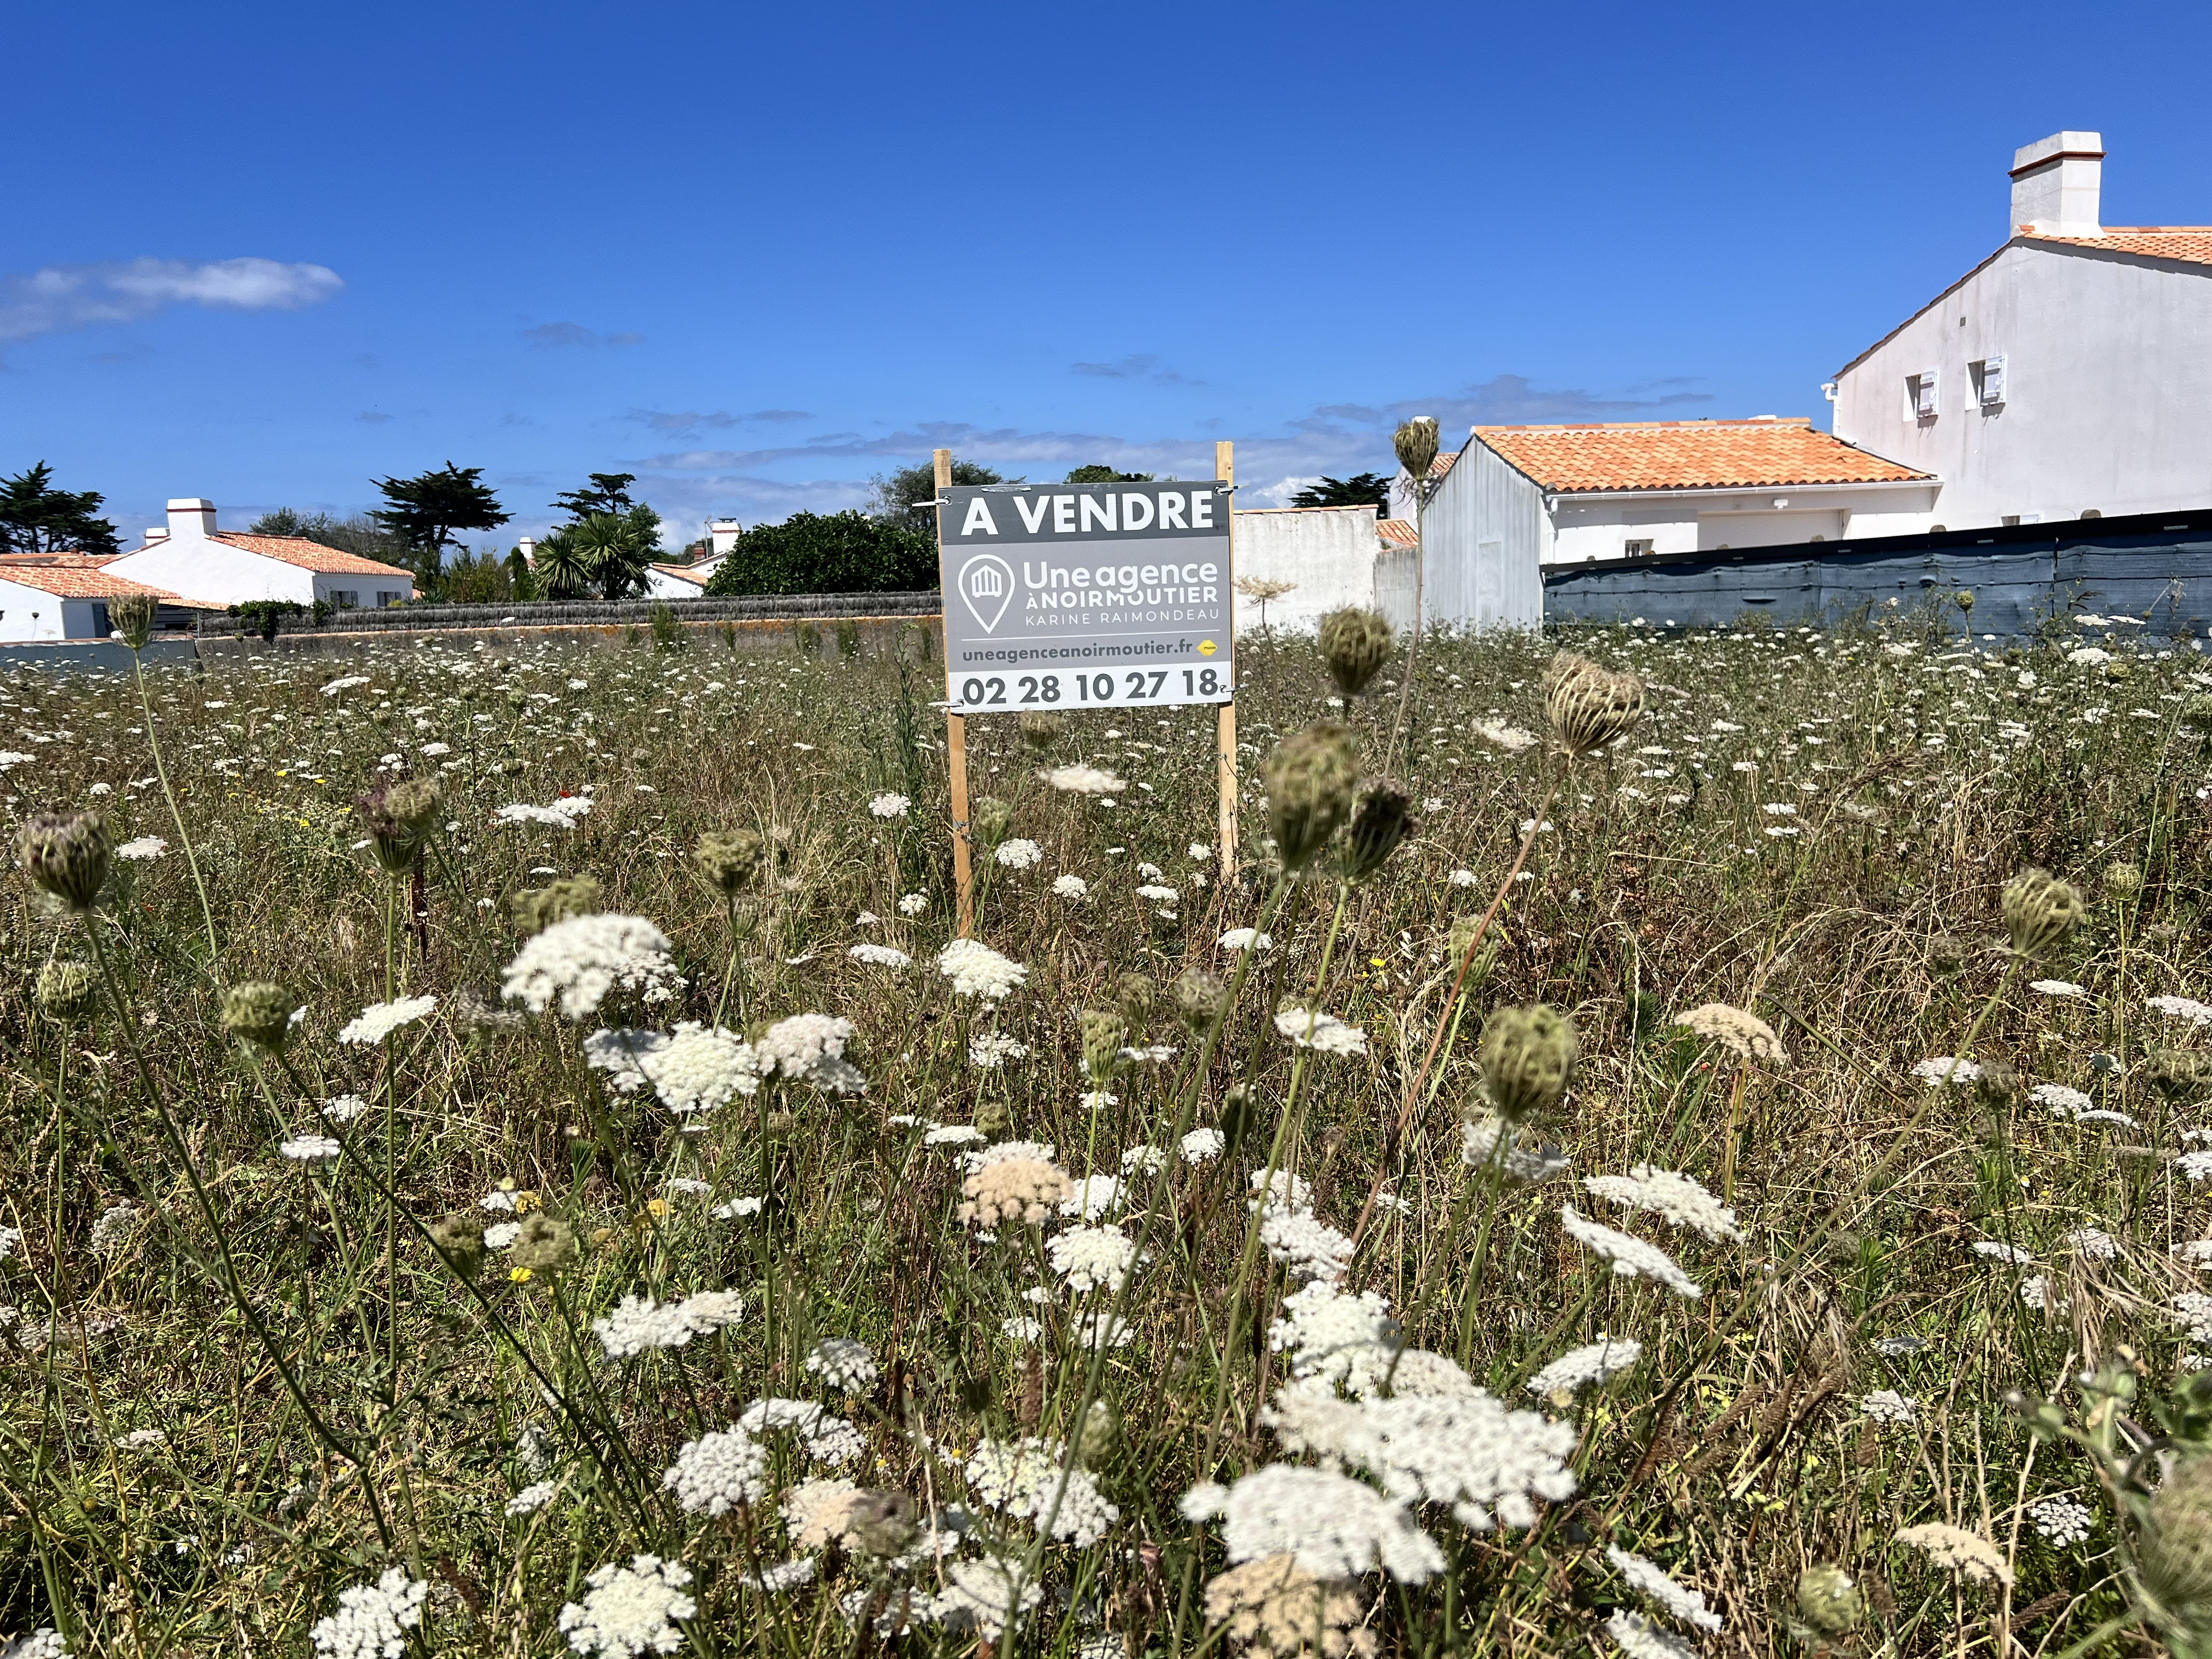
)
(1040, 731)
(543, 1243)
(460, 1237)
(1101, 1434)
(2124, 881)
(1198, 995)
(1383, 822)
(732, 860)
(988, 821)
(65, 854)
(398, 817)
(1310, 779)
(1829, 1599)
(1104, 1037)
(1354, 646)
(132, 616)
(67, 991)
(1527, 1054)
(1137, 996)
(2176, 1073)
(259, 1013)
(2175, 1546)
(1588, 706)
(537, 908)
(2040, 911)
(1965, 600)
(1416, 442)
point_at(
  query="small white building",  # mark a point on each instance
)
(688, 581)
(1332, 556)
(190, 555)
(2068, 375)
(66, 596)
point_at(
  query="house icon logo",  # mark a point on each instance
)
(986, 585)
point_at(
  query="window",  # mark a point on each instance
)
(1920, 395)
(346, 598)
(1636, 547)
(1989, 378)
(385, 598)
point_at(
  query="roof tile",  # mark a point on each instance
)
(2191, 243)
(1399, 533)
(76, 581)
(1688, 455)
(309, 556)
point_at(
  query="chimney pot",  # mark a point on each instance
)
(156, 532)
(722, 535)
(2056, 183)
(190, 516)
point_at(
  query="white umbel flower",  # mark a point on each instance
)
(1679, 1199)
(976, 970)
(531, 1498)
(1631, 1256)
(716, 1473)
(1579, 1368)
(1306, 1244)
(1032, 1479)
(811, 1048)
(630, 1611)
(878, 956)
(1639, 1638)
(842, 1363)
(1018, 855)
(638, 1323)
(694, 1068)
(373, 1621)
(823, 1435)
(1093, 1258)
(889, 806)
(1655, 1585)
(146, 846)
(985, 1595)
(1083, 781)
(578, 962)
(2061, 1521)
(1967, 1553)
(564, 813)
(1070, 887)
(380, 1020)
(1947, 1071)
(1336, 1527)
(309, 1149)
(1202, 1146)
(1887, 1405)
(1324, 1033)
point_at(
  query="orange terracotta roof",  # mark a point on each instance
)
(69, 581)
(1442, 464)
(67, 557)
(684, 572)
(1688, 455)
(308, 556)
(2191, 243)
(1399, 531)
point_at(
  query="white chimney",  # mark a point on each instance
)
(527, 547)
(2055, 184)
(723, 534)
(156, 532)
(191, 517)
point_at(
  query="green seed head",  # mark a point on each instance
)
(543, 1244)
(1588, 706)
(1354, 646)
(1041, 731)
(1310, 780)
(2175, 1546)
(132, 616)
(65, 854)
(557, 901)
(1383, 822)
(397, 822)
(1527, 1054)
(258, 1012)
(988, 821)
(992, 1119)
(2177, 1072)
(1416, 442)
(1198, 995)
(460, 1236)
(1137, 995)
(2124, 881)
(67, 991)
(1104, 1037)
(1829, 1598)
(733, 860)
(2040, 911)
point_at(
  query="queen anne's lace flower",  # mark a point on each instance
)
(1679, 1199)
(811, 1048)
(1031, 1479)
(1083, 781)
(991, 1050)
(889, 806)
(1655, 1585)
(987, 1595)
(146, 846)
(1946, 1070)
(380, 1020)
(2062, 1521)
(825, 1436)
(531, 1498)
(1742, 1033)
(1631, 1256)
(578, 962)
(1021, 1190)
(1325, 1033)
(2188, 1008)
(1093, 1258)
(978, 970)
(694, 1068)
(1018, 855)
(878, 956)
(1306, 1244)
(1887, 1405)
(373, 1621)
(638, 1322)
(1202, 1146)
(309, 1149)
(1578, 1368)
(1348, 1339)
(718, 1472)
(1335, 1525)
(1639, 1638)
(1070, 887)
(1964, 1552)
(563, 814)
(631, 1610)
(842, 1363)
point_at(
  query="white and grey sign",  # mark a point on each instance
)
(1085, 596)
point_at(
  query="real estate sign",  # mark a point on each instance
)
(1085, 596)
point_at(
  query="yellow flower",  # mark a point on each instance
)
(526, 1201)
(656, 1206)
(519, 1275)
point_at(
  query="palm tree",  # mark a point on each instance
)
(614, 552)
(561, 567)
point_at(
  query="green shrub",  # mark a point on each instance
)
(828, 553)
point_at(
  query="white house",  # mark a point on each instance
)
(2067, 375)
(191, 556)
(65, 597)
(1516, 499)
(1332, 557)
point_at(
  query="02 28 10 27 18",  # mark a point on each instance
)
(1123, 688)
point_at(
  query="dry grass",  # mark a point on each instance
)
(362, 1408)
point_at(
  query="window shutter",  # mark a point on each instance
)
(1924, 403)
(1993, 380)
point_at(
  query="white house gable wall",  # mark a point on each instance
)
(222, 575)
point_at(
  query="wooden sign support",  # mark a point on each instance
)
(1225, 726)
(955, 749)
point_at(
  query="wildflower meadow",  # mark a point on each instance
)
(1667, 1141)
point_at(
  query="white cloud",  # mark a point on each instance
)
(61, 297)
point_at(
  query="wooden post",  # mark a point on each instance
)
(1224, 731)
(956, 750)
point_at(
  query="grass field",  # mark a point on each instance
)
(632, 1243)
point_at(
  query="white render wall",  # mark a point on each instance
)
(1586, 528)
(199, 569)
(32, 613)
(1328, 551)
(2108, 389)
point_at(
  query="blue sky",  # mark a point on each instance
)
(262, 253)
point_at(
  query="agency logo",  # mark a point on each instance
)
(987, 584)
